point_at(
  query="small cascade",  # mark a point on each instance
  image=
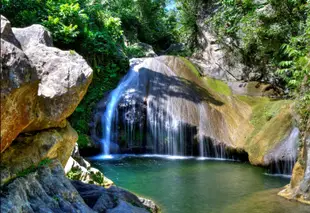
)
(286, 155)
(109, 116)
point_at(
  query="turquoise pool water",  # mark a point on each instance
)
(200, 186)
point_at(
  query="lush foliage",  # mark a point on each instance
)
(188, 29)
(95, 29)
(260, 30)
(145, 20)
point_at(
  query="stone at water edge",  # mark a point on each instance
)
(113, 199)
(45, 190)
(89, 175)
(299, 187)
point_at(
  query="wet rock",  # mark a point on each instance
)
(299, 187)
(174, 110)
(150, 204)
(124, 207)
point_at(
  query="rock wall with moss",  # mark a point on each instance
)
(171, 98)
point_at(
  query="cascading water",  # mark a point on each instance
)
(162, 107)
(286, 155)
(159, 112)
(111, 108)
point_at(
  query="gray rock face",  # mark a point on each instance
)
(6, 32)
(216, 61)
(40, 85)
(33, 35)
(112, 199)
(266, 12)
(46, 190)
(17, 69)
(148, 49)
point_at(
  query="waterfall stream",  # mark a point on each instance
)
(163, 111)
(111, 108)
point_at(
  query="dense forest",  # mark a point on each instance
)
(105, 33)
(195, 105)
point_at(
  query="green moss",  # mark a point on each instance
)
(97, 177)
(263, 112)
(252, 101)
(33, 168)
(74, 174)
(191, 66)
(83, 140)
(218, 86)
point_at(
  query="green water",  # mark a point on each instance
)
(195, 186)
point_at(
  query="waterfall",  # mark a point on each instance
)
(111, 108)
(156, 112)
(153, 111)
(286, 155)
(162, 107)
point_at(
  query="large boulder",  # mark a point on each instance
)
(33, 35)
(7, 33)
(19, 86)
(113, 199)
(45, 190)
(29, 149)
(40, 85)
(64, 79)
